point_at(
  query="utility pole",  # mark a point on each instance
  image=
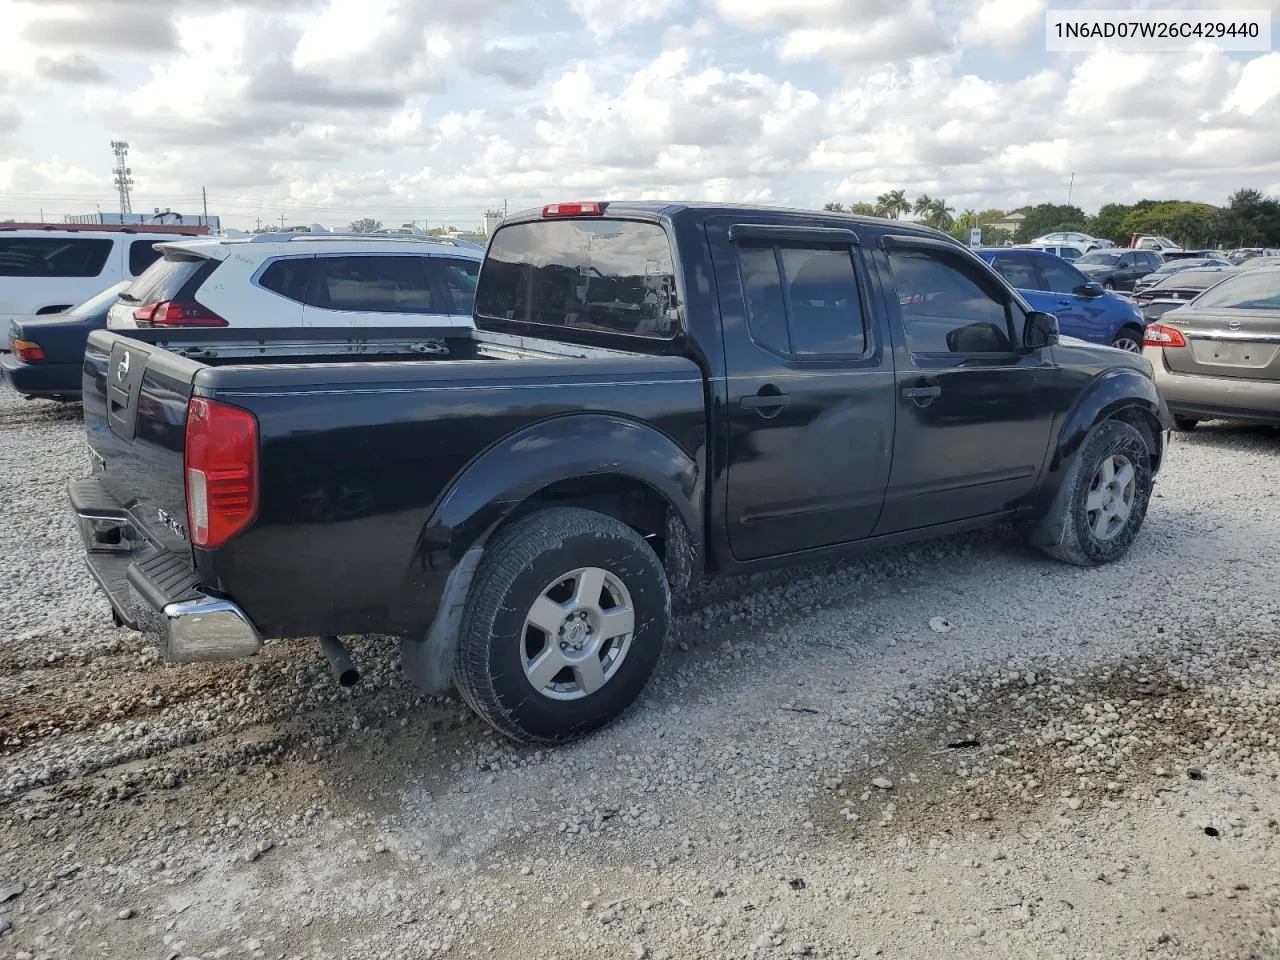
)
(204, 198)
(504, 208)
(1071, 187)
(257, 222)
(123, 175)
(282, 221)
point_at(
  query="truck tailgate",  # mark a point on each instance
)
(135, 410)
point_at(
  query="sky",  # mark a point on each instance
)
(431, 111)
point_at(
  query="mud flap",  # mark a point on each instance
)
(1051, 529)
(429, 662)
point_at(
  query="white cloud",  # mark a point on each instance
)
(604, 18)
(1259, 84)
(1003, 24)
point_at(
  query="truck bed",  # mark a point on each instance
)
(361, 438)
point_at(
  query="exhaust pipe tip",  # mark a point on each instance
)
(340, 662)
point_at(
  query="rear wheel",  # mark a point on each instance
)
(1128, 339)
(1185, 424)
(563, 626)
(1104, 499)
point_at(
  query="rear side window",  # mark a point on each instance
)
(373, 284)
(459, 278)
(802, 300)
(163, 280)
(946, 309)
(142, 254)
(288, 277)
(615, 276)
(52, 256)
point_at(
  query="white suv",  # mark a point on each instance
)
(305, 280)
(50, 268)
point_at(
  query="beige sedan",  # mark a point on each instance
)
(1218, 357)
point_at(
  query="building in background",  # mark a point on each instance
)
(144, 219)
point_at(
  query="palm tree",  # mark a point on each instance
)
(938, 215)
(893, 204)
(922, 205)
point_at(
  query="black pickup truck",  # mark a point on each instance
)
(655, 393)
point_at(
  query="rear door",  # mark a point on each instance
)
(810, 387)
(974, 409)
(456, 277)
(376, 290)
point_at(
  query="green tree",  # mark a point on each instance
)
(938, 215)
(921, 207)
(1250, 219)
(1108, 222)
(365, 225)
(1049, 218)
(832, 207)
(1190, 224)
(862, 208)
(893, 204)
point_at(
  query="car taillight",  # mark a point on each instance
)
(221, 461)
(143, 313)
(594, 209)
(182, 313)
(28, 351)
(1158, 335)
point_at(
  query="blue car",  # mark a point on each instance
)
(1083, 308)
(43, 356)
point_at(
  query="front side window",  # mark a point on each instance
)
(945, 308)
(372, 284)
(802, 299)
(1017, 270)
(1058, 276)
(52, 256)
(609, 276)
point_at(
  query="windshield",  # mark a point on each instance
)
(104, 299)
(1105, 259)
(1175, 265)
(1258, 290)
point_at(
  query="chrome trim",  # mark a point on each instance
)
(208, 629)
(1231, 335)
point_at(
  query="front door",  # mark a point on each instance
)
(974, 409)
(810, 388)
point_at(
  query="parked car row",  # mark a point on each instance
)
(268, 280)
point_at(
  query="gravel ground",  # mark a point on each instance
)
(958, 750)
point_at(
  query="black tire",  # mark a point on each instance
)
(1126, 336)
(1185, 424)
(1070, 537)
(1108, 285)
(517, 568)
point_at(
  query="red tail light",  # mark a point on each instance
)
(143, 313)
(594, 209)
(1158, 335)
(180, 313)
(221, 471)
(28, 351)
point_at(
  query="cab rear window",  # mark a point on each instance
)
(613, 276)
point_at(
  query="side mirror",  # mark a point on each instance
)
(1091, 289)
(1041, 330)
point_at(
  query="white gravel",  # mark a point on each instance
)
(961, 749)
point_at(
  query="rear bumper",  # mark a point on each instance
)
(41, 379)
(1207, 397)
(154, 590)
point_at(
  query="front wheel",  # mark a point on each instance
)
(563, 626)
(1128, 339)
(1100, 509)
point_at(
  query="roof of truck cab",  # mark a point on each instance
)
(671, 209)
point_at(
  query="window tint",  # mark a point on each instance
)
(459, 278)
(1018, 271)
(52, 257)
(802, 300)
(1255, 290)
(288, 277)
(609, 275)
(944, 308)
(371, 284)
(162, 280)
(142, 254)
(1058, 277)
(1154, 260)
